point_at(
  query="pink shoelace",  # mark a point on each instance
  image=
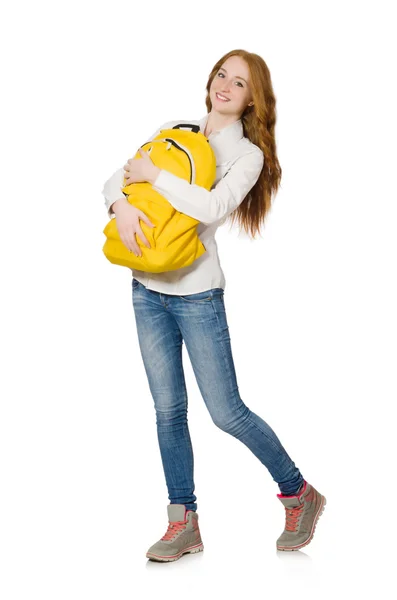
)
(292, 516)
(174, 527)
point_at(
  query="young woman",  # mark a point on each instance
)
(188, 304)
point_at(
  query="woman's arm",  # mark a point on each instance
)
(194, 200)
(210, 206)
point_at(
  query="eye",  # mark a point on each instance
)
(239, 82)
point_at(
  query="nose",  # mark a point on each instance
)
(225, 90)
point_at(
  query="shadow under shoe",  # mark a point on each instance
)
(301, 515)
(182, 536)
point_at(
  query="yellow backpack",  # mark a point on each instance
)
(174, 242)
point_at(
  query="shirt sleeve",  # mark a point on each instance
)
(112, 190)
(112, 187)
(210, 206)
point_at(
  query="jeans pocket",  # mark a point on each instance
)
(205, 296)
(199, 297)
(135, 283)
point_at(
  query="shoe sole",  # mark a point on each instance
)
(319, 513)
(190, 550)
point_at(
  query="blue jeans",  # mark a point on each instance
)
(163, 321)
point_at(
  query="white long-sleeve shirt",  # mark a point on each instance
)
(238, 166)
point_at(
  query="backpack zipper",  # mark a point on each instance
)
(183, 149)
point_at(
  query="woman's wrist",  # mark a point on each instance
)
(154, 174)
(117, 203)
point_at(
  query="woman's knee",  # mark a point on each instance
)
(230, 419)
(170, 415)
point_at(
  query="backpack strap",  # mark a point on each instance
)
(194, 128)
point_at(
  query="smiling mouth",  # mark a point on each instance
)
(222, 99)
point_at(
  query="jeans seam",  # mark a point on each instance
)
(222, 342)
(266, 436)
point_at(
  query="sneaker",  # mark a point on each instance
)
(302, 512)
(182, 536)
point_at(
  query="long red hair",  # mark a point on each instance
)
(259, 123)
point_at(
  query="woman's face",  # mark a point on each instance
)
(233, 82)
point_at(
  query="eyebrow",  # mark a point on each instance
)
(237, 77)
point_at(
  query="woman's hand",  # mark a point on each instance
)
(128, 225)
(140, 170)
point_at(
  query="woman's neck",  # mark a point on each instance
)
(217, 121)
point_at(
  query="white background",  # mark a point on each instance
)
(311, 305)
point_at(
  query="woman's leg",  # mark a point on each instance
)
(202, 321)
(160, 343)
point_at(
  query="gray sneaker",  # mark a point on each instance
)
(182, 536)
(301, 515)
